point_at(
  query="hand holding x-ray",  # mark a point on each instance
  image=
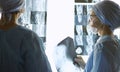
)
(80, 61)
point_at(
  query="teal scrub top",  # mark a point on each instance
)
(21, 50)
(104, 56)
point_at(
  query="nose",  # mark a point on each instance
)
(89, 19)
(0, 15)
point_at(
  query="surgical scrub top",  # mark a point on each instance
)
(101, 59)
(21, 50)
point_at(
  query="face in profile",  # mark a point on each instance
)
(94, 20)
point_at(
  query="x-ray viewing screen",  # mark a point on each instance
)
(84, 39)
(34, 17)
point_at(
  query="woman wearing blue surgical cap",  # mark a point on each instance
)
(21, 50)
(104, 18)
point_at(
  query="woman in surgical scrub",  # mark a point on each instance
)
(104, 19)
(21, 50)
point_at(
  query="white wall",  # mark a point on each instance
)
(117, 1)
(60, 24)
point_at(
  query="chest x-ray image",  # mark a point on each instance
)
(63, 56)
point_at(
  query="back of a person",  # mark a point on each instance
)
(21, 50)
(10, 49)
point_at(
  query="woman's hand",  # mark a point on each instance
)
(80, 62)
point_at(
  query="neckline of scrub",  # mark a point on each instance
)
(104, 38)
(9, 29)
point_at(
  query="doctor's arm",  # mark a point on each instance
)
(100, 63)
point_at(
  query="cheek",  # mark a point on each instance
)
(95, 23)
(91, 23)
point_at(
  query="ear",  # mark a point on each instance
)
(22, 10)
(97, 22)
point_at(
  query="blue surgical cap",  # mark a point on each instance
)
(7, 6)
(108, 12)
